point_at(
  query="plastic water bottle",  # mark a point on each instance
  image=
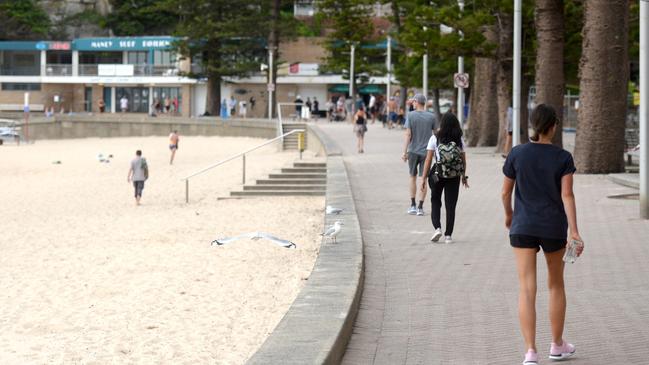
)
(571, 251)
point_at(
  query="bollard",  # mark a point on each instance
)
(187, 191)
(244, 170)
(300, 143)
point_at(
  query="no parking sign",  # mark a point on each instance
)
(461, 80)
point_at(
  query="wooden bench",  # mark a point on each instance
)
(19, 107)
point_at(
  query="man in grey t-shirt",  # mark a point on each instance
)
(138, 175)
(419, 127)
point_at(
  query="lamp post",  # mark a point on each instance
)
(516, 102)
(460, 70)
(351, 78)
(271, 85)
(424, 75)
(644, 110)
(389, 68)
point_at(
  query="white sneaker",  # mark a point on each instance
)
(437, 235)
(420, 211)
(412, 210)
(448, 239)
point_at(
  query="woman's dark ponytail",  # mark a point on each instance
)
(543, 118)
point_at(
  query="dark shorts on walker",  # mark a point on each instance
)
(548, 244)
(139, 186)
(416, 163)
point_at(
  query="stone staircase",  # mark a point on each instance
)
(291, 142)
(303, 179)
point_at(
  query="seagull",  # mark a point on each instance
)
(255, 236)
(331, 210)
(333, 231)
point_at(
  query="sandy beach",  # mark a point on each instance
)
(87, 277)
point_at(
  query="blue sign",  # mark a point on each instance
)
(122, 44)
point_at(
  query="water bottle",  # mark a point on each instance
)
(571, 251)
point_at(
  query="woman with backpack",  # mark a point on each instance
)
(360, 127)
(447, 148)
(545, 211)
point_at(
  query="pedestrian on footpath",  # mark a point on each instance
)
(360, 127)
(544, 211)
(138, 173)
(419, 128)
(447, 148)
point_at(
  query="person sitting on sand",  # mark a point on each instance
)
(173, 145)
(138, 173)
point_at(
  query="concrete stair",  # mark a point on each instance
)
(303, 179)
(291, 142)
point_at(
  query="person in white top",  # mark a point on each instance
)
(123, 104)
(449, 170)
(242, 109)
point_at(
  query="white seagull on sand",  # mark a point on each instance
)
(333, 231)
(331, 210)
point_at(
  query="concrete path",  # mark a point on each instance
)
(426, 303)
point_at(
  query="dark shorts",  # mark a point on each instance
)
(393, 116)
(139, 186)
(173, 147)
(416, 164)
(548, 244)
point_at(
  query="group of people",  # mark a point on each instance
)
(164, 106)
(307, 109)
(229, 107)
(544, 214)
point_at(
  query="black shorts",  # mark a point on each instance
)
(416, 164)
(139, 186)
(548, 244)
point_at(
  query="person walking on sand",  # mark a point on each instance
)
(360, 127)
(173, 145)
(419, 128)
(138, 173)
(544, 211)
(447, 148)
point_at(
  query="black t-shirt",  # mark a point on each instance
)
(538, 208)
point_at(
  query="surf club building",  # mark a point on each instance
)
(77, 76)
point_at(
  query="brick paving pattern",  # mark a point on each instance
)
(426, 303)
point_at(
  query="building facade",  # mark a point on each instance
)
(80, 75)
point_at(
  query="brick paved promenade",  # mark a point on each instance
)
(427, 303)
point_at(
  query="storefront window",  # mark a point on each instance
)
(164, 58)
(167, 99)
(22, 63)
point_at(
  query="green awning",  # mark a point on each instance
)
(371, 89)
(340, 88)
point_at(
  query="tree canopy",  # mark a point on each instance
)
(23, 20)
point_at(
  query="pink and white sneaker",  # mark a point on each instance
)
(531, 358)
(561, 352)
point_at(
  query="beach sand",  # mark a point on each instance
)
(87, 277)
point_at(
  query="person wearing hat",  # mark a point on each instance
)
(419, 127)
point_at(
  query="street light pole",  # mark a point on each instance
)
(516, 130)
(389, 68)
(425, 75)
(271, 85)
(460, 70)
(351, 78)
(644, 110)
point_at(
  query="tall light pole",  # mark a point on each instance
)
(389, 68)
(516, 92)
(424, 75)
(644, 110)
(271, 85)
(460, 70)
(351, 78)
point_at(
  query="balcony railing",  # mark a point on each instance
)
(20, 71)
(58, 70)
(127, 70)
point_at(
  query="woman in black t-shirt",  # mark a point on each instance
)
(360, 127)
(545, 210)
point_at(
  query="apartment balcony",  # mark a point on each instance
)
(127, 70)
(58, 70)
(20, 71)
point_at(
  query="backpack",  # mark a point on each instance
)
(450, 160)
(145, 168)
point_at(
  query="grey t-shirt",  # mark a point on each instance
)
(421, 124)
(138, 171)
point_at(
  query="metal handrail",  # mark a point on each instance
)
(242, 154)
